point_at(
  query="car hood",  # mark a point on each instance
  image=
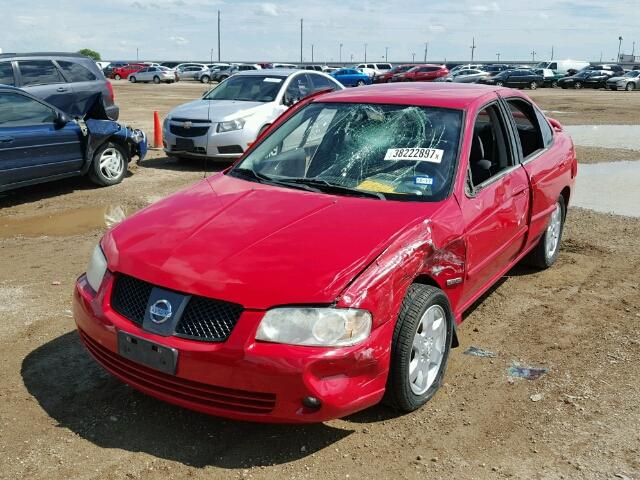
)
(217, 110)
(255, 244)
(621, 78)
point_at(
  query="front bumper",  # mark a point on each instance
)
(240, 378)
(217, 146)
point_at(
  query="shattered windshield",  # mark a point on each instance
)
(247, 88)
(394, 152)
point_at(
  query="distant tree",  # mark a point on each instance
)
(87, 52)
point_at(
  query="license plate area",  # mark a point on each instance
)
(149, 354)
(184, 143)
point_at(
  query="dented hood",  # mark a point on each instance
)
(255, 244)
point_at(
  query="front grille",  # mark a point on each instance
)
(203, 318)
(180, 131)
(226, 149)
(179, 389)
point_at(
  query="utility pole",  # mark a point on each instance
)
(414, 56)
(551, 52)
(473, 48)
(619, 47)
(340, 53)
(498, 55)
(301, 35)
(633, 49)
(352, 57)
(386, 53)
(533, 56)
(137, 58)
(365, 53)
(312, 53)
(211, 56)
(426, 51)
(600, 56)
(218, 35)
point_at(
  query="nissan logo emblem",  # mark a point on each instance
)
(160, 311)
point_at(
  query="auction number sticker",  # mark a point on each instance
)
(433, 155)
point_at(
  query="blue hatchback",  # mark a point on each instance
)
(350, 77)
(39, 143)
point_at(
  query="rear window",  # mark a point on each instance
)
(384, 66)
(6, 74)
(39, 72)
(320, 82)
(76, 72)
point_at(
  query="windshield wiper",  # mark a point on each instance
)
(327, 187)
(250, 174)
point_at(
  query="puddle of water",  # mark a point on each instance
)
(62, 224)
(610, 187)
(606, 136)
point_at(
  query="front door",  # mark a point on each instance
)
(496, 202)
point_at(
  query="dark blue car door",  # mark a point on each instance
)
(32, 144)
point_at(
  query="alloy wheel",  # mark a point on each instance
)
(111, 163)
(552, 237)
(427, 352)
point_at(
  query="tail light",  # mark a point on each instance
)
(111, 94)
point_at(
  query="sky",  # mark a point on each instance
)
(270, 31)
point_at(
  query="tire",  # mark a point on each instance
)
(132, 79)
(156, 79)
(630, 87)
(499, 84)
(389, 81)
(542, 256)
(205, 79)
(117, 77)
(109, 165)
(223, 77)
(423, 307)
(577, 85)
(360, 83)
(533, 85)
(554, 84)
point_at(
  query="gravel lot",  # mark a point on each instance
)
(62, 417)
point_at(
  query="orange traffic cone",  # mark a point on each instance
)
(157, 131)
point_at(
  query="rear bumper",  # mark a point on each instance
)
(240, 378)
(113, 112)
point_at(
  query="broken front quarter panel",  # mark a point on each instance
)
(430, 250)
(97, 132)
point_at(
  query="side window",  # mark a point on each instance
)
(490, 152)
(20, 111)
(39, 72)
(524, 118)
(76, 72)
(299, 87)
(6, 74)
(371, 65)
(320, 83)
(553, 66)
(545, 128)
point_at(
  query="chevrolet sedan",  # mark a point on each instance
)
(329, 268)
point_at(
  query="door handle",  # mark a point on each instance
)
(6, 139)
(61, 89)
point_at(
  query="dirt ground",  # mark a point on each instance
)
(62, 416)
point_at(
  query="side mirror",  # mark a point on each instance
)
(289, 101)
(60, 119)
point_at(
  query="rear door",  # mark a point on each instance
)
(31, 145)
(7, 76)
(496, 202)
(43, 79)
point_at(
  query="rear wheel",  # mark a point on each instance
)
(223, 77)
(546, 252)
(554, 84)
(205, 79)
(360, 83)
(420, 348)
(109, 165)
(577, 85)
(630, 86)
(156, 79)
(533, 85)
(117, 77)
(132, 79)
(499, 84)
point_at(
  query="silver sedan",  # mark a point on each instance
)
(469, 75)
(153, 74)
(630, 81)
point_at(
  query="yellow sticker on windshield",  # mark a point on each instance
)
(374, 186)
(433, 155)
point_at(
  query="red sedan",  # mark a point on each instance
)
(423, 73)
(327, 270)
(124, 72)
(387, 76)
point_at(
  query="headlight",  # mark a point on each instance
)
(237, 124)
(323, 327)
(97, 268)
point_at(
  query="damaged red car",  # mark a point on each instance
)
(327, 270)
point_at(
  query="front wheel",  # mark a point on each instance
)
(156, 79)
(205, 79)
(420, 348)
(360, 83)
(109, 165)
(546, 252)
(132, 79)
(554, 84)
(630, 86)
(533, 85)
(117, 77)
(577, 85)
(499, 84)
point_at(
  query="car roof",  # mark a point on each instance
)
(42, 54)
(275, 72)
(433, 94)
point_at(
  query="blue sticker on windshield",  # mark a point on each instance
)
(423, 180)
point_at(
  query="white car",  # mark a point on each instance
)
(227, 119)
(373, 69)
(153, 74)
